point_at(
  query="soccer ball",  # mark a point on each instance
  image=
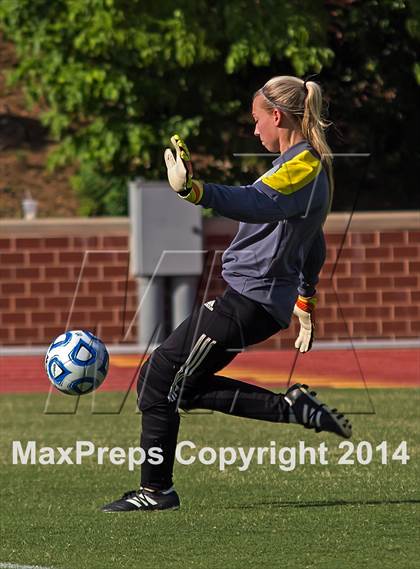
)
(77, 362)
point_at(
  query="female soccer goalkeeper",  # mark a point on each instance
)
(271, 269)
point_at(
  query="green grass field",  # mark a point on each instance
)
(316, 516)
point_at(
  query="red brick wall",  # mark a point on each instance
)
(38, 280)
(375, 293)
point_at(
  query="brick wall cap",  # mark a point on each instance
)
(68, 226)
(366, 221)
(337, 222)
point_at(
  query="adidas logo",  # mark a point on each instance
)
(209, 304)
(142, 499)
(311, 416)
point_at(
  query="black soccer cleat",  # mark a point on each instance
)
(313, 414)
(138, 500)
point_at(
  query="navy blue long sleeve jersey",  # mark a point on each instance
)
(279, 248)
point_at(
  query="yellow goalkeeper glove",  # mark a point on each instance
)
(180, 171)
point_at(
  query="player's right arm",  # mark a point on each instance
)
(282, 194)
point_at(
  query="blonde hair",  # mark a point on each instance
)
(302, 101)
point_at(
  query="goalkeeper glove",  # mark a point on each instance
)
(180, 171)
(304, 310)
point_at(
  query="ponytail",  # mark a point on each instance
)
(313, 126)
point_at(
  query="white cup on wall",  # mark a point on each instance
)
(29, 207)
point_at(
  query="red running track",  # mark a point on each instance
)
(336, 368)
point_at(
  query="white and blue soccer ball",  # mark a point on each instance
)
(77, 362)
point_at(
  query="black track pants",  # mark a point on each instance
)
(180, 373)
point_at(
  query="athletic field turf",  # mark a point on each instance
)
(313, 516)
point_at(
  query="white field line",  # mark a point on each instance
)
(132, 349)
(17, 566)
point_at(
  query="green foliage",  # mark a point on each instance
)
(374, 93)
(115, 78)
(99, 194)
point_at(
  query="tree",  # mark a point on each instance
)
(116, 78)
(374, 92)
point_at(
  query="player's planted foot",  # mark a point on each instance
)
(308, 411)
(137, 500)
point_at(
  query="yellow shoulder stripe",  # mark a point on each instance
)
(294, 174)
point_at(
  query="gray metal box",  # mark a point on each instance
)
(166, 231)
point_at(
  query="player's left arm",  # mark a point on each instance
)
(306, 303)
(314, 262)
